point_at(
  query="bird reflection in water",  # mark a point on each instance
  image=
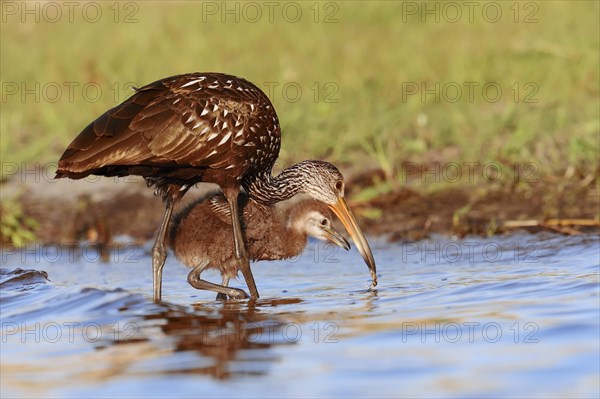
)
(236, 336)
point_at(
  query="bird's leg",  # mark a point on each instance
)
(238, 238)
(159, 254)
(224, 283)
(196, 282)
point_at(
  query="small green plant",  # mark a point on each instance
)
(459, 214)
(16, 228)
(383, 151)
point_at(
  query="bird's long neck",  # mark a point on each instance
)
(267, 189)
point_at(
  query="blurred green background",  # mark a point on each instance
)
(361, 68)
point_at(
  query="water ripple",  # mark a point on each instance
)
(435, 326)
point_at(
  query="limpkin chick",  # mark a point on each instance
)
(200, 236)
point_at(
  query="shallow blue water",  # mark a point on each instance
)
(507, 316)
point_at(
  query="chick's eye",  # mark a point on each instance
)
(324, 222)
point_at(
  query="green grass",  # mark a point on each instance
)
(368, 56)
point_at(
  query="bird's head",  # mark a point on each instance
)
(323, 182)
(314, 219)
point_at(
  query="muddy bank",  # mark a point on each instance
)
(409, 215)
(101, 209)
(93, 209)
(567, 205)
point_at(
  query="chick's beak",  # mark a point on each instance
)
(333, 236)
(342, 211)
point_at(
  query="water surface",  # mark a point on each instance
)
(506, 316)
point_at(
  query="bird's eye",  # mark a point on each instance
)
(339, 185)
(324, 222)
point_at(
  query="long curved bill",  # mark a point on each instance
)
(342, 211)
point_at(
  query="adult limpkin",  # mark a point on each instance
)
(203, 127)
(200, 236)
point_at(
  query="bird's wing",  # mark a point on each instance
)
(185, 120)
(251, 212)
(220, 207)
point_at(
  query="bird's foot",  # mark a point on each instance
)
(234, 294)
(221, 297)
(238, 294)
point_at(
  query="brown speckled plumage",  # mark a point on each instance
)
(181, 130)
